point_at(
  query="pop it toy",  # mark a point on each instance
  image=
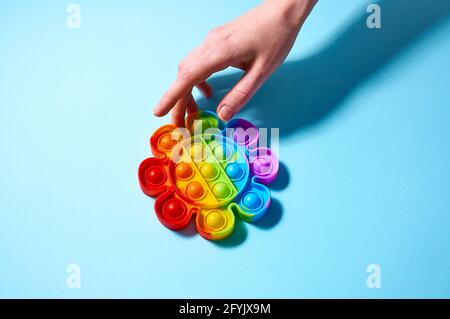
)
(209, 169)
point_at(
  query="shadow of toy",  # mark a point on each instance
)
(269, 220)
(272, 217)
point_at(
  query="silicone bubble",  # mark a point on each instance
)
(167, 142)
(215, 220)
(221, 190)
(234, 171)
(209, 171)
(216, 172)
(195, 190)
(184, 171)
(155, 175)
(173, 208)
(252, 201)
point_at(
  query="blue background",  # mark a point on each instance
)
(364, 119)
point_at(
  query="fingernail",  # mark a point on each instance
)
(225, 113)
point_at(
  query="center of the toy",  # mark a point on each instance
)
(209, 173)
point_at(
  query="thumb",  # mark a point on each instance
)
(241, 93)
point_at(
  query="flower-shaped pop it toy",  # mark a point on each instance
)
(210, 170)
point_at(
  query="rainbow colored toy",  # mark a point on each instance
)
(209, 169)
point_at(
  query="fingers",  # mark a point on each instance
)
(179, 111)
(205, 89)
(241, 93)
(192, 105)
(175, 92)
(192, 72)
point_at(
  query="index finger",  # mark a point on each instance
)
(194, 72)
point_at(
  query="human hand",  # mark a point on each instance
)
(257, 42)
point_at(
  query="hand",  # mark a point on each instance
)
(257, 42)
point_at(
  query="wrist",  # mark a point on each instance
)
(294, 12)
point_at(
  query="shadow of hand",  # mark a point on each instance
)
(304, 93)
